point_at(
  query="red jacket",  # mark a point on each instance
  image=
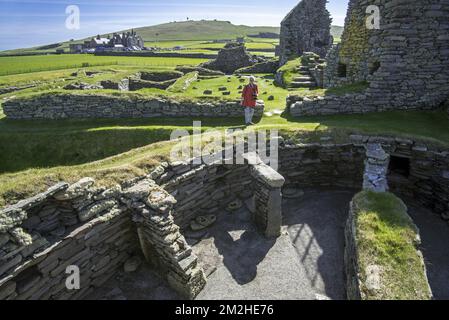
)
(249, 95)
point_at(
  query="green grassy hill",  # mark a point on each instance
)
(204, 30)
(200, 30)
(337, 31)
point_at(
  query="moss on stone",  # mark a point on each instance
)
(391, 267)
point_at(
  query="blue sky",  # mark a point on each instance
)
(26, 23)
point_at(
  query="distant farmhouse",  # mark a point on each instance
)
(128, 41)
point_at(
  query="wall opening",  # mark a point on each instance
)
(342, 70)
(400, 166)
(373, 67)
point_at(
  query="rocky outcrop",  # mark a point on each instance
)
(231, 58)
(305, 29)
(80, 106)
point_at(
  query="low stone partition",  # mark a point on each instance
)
(267, 199)
(137, 84)
(77, 225)
(373, 273)
(376, 168)
(122, 85)
(202, 189)
(95, 230)
(357, 104)
(79, 106)
(162, 244)
(322, 165)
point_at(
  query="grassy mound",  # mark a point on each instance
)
(387, 241)
(289, 70)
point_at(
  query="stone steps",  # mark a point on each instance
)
(302, 84)
(302, 69)
(303, 78)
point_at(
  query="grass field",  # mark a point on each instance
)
(28, 64)
(34, 154)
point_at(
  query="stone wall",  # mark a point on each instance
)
(376, 168)
(201, 188)
(67, 225)
(158, 54)
(63, 106)
(305, 29)
(354, 104)
(322, 165)
(162, 244)
(351, 255)
(231, 58)
(137, 84)
(96, 230)
(362, 281)
(267, 213)
(122, 85)
(263, 67)
(405, 62)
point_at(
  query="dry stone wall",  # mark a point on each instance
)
(267, 199)
(405, 62)
(161, 241)
(305, 29)
(98, 229)
(325, 165)
(67, 225)
(201, 189)
(78, 106)
(231, 58)
(376, 168)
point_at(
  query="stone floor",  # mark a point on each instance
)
(306, 262)
(143, 284)
(435, 248)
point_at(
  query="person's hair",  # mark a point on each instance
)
(252, 79)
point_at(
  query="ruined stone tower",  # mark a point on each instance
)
(306, 29)
(405, 62)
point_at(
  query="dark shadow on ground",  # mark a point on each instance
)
(316, 227)
(144, 284)
(435, 248)
(240, 256)
(46, 144)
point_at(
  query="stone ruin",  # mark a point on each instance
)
(405, 63)
(231, 58)
(101, 229)
(306, 29)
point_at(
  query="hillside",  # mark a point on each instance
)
(337, 31)
(199, 30)
(177, 31)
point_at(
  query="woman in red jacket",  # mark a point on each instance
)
(249, 99)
